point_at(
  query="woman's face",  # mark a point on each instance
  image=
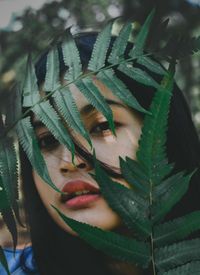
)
(91, 209)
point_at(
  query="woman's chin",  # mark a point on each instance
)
(98, 215)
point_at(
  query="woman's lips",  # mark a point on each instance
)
(78, 194)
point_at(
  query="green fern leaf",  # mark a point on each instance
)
(67, 107)
(119, 89)
(142, 36)
(30, 89)
(138, 75)
(29, 144)
(9, 168)
(177, 229)
(71, 57)
(113, 244)
(166, 185)
(9, 172)
(3, 261)
(9, 219)
(152, 142)
(134, 175)
(52, 78)
(161, 170)
(187, 269)
(46, 113)
(4, 199)
(177, 254)
(93, 95)
(131, 207)
(165, 203)
(120, 44)
(98, 57)
(151, 65)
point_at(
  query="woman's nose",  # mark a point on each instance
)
(68, 166)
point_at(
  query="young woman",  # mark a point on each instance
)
(57, 250)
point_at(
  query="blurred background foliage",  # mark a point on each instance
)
(32, 30)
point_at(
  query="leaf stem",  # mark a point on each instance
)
(151, 237)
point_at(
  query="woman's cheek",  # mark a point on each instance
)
(109, 148)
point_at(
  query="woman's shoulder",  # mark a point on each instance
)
(20, 262)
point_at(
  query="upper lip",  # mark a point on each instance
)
(73, 186)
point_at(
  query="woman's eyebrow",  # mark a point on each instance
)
(90, 108)
(85, 110)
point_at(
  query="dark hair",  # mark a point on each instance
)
(56, 251)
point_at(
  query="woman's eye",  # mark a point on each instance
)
(103, 128)
(47, 141)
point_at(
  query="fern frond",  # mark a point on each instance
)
(67, 107)
(151, 65)
(71, 57)
(177, 229)
(187, 269)
(138, 75)
(165, 203)
(153, 139)
(118, 88)
(134, 175)
(113, 244)
(131, 207)
(141, 38)
(9, 168)
(93, 95)
(3, 261)
(30, 89)
(46, 113)
(120, 44)
(177, 254)
(9, 173)
(29, 144)
(9, 219)
(98, 57)
(52, 77)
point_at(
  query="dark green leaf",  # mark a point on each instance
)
(177, 254)
(67, 107)
(93, 95)
(192, 268)
(9, 219)
(142, 36)
(132, 208)
(97, 60)
(152, 142)
(46, 113)
(52, 78)
(177, 229)
(29, 143)
(138, 75)
(71, 57)
(134, 175)
(120, 43)
(30, 89)
(9, 168)
(118, 88)
(151, 65)
(113, 244)
(170, 198)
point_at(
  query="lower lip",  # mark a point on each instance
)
(81, 201)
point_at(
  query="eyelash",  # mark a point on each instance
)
(52, 143)
(47, 141)
(104, 127)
